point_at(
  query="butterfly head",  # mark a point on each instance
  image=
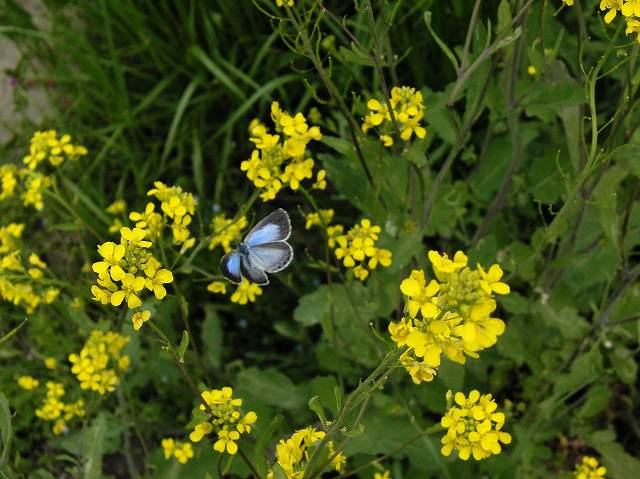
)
(243, 249)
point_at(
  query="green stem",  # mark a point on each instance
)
(355, 398)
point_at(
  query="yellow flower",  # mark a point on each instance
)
(281, 3)
(169, 447)
(568, 2)
(246, 292)
(491, 280)
(50, 363)
(631, 8)
(134, 237)
(217, 287)
(420, 295)
(633, 26)
(130, 286)
(156, 279)
(418, 370)
(139, 318)
(112, 254)
(226, 441)
(244, 425)
(321, 181)
(613, 6)
(117, 207)
(385, 475)
(589, 468)
(321, 218)
(28, 382)
(473, 427)
(200, 431)
(408, 110)
(443, 265)
(183, 452)
(531, 70)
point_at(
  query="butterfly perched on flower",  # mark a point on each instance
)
(264, 250)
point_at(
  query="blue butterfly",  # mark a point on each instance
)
(264, 250)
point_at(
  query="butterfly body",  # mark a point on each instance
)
(264, 250)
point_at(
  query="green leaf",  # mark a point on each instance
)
(278, 472)
(504, 17)
(443, 46)
(605, 195)
(624, 365)
(315, 406)
(354, 56)
(597, 400)
(212, 336)
(355, 432)
(619, 464)
(6, 431)
(272, 387)
(263, 443)
(95, 447)
(184, 344)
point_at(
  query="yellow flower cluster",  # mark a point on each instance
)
(275, 163)
(408, 109)
(116, 209)
(226, 232)
(54, 409)
(630, 9)
(28, 382)
(224, 418)
(22, 283)
(450, 314)
(177, 209)
(97, 364)
(384, 475)
(357, 248)
(473, 426)
(589, 468)
(132, 265)
(182, 451)
(282, 3)
(321, 218)
(45, 146)
(293, 454)
(246, 292)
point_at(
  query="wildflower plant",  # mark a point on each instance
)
(220, 415)
(404, 115)
(100, 361)
(450, 314)
(280, 160)
(474, 428)
(293, 453)
(589, 468)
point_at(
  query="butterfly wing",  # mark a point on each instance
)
(253, 270)
(274, 227)
(230, 266)
(273, 257)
